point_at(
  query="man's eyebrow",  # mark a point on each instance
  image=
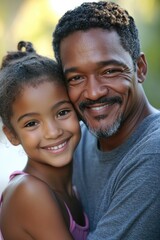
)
(102, 63)
(69, 70)
(112, 62)
(30, 114)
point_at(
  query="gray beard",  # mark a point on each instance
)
(108, 131)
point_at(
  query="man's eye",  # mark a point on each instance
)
(113, 71)
(31, 124)
(75, 79)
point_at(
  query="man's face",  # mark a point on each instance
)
(101, 79)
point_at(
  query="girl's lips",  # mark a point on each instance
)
(56, 148)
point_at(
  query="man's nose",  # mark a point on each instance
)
(95, 89)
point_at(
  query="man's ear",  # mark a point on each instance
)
(141, 68)
(11, 136)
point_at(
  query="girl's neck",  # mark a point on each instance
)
(59, 179)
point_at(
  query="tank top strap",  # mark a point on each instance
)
(15, 173)
(72, 222)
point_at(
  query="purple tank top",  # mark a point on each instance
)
(78, 232)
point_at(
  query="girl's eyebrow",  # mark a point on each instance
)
(27, 115)
(34, 113)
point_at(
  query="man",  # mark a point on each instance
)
(117, 163)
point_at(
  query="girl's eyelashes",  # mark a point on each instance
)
(31, 124)
(63, 112)
(60, 114)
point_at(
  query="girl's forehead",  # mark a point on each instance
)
(40, 93)
(41, 100)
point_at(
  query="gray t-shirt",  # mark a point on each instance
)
(120, 189)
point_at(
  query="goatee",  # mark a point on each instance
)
(107, 131)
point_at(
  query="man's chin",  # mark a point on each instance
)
(103, 130)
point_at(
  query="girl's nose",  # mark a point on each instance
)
(52, 130)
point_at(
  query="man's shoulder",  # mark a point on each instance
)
(151, 126)
(83, 126)
(87, 142)
(85, 131)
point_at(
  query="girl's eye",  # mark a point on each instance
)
(63, 112)
(31, 124)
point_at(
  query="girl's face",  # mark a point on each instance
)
(45, 124)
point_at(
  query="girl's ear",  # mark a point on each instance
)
(11, 136)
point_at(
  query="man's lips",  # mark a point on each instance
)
(98, 108)
(100, 104)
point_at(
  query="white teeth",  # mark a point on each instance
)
(57, 147)
(98, 108)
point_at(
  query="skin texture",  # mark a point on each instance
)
(104, 85)
(46, 125)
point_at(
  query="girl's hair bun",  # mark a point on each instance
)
(28, 46)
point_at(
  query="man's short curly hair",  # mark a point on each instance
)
(106, 15)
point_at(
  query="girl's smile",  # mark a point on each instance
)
(45, 123)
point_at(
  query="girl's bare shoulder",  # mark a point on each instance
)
(27, 187)
(31, 203)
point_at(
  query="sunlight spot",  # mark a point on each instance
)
(61, 6)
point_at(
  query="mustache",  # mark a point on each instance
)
(105, 100)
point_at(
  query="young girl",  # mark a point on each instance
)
(39, 202)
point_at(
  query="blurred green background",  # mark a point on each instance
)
(34, 20)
